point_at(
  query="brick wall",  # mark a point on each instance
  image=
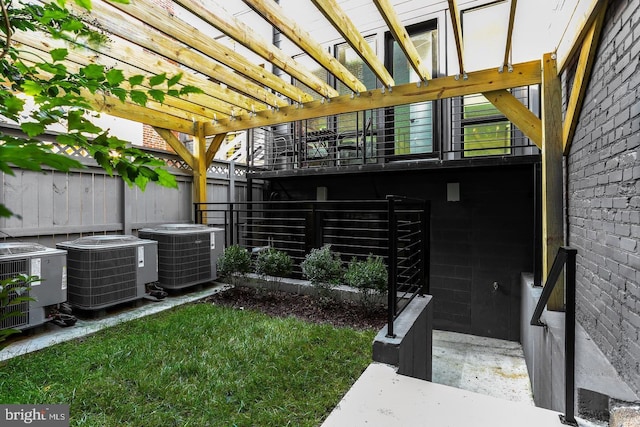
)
(151, 139)
(604, 194)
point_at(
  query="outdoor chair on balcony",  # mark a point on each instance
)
(283, 152)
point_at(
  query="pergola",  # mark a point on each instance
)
(240, 94)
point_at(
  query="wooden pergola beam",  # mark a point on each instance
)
(274, 14)
(512, 17)
(214, 146)
(174, 36)
(489, 80)
(552, 176)
(185, 107)
(343, 24)
(246, 36)
(201, 165)
(145, 47)
(177, 146)
(457, 33)
(581, 78)
(399, 33)
(585, 23)
(517, 114)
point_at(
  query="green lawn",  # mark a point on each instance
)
(197, 365)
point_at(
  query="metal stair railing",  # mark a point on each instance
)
(566, 256)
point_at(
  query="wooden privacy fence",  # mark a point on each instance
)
(55, 206)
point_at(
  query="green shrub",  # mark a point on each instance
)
(323, 268)
(275, 263)
(369, 277)
(13, 292)
(234, 263)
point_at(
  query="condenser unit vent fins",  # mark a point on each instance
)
(183, 259)
(9, 269)
(101, 278)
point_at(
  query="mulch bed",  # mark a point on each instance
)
(284, 304)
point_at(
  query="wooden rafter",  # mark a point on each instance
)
(581, 78)
(274, 14)
(585, 24)
(208, 56)
(343, 24)
(512, 17)
(524, 74)
(243, 34)
(177, 146)
(517, 114)
(188, 107)
(141, 45)
(457, 32)
(401, 36)
(214, 146)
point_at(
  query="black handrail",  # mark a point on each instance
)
(565, 256)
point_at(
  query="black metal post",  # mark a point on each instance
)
(570, 337)
(393, 261)
(231, 225)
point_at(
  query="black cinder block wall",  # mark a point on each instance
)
(479, 245)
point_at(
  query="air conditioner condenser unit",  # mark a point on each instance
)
(49, 292)
(106, 270)
(187, 253)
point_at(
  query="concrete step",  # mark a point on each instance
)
(381, 397)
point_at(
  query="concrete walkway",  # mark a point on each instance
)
(477, 382)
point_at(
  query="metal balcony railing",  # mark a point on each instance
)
(396, 229)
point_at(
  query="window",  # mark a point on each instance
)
(485, 131)
(411, 127)
(307, 62)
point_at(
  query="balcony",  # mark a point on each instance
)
(465, 130)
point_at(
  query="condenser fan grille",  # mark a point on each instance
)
(9, 269)
(101, 278)
(183, 259)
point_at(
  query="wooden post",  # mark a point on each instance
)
(200, 169)
(552, 182)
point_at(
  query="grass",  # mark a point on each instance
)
(196, 365)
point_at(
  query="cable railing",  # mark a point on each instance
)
(408, 257)
(395, 229)
(565, 259)
(460, 128)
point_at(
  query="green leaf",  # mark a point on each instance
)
(138, 97)
(12, 105)
(121, 1)
(158, 79)
(136, 80)
(86, 4)
(158, 95)
(120, 93)
(32, 128)
(166, 179)
(190, 89)
(115, 77)
(173, 92)
(30, 87)
(72, 25)
(59, 54)
(174, 80)
(93, 71)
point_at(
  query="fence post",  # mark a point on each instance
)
(392, 258)
(570, 336)
(424, 244)
(231, 225)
